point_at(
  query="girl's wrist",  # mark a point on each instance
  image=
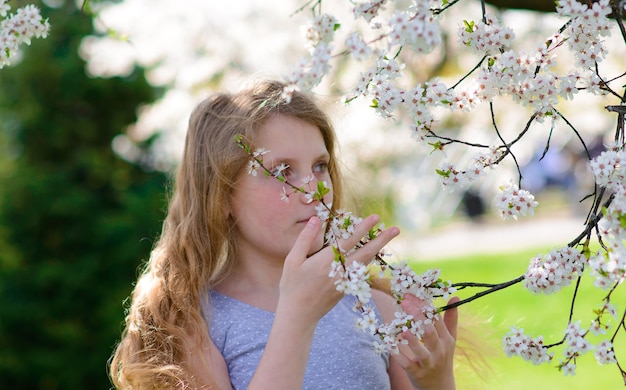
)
(294, 317)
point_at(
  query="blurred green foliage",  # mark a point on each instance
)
(76, 220)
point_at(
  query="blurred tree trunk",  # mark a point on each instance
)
(531, 5)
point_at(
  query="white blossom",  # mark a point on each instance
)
(513, 202)
(609, 168)
(486, 37)
(353, 280)
(517, 343)
(19, 28)
(550, 273)
(604, 353)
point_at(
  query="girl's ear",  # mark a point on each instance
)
(228, 209)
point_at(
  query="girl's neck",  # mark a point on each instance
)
(254, 281)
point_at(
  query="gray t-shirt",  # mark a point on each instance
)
(342, 357)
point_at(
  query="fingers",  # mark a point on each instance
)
(369, 250)
(305, 240)
(429, 362)
(451, 318)
(420, 353)
(439, 331)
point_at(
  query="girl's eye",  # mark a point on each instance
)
(282, 170)
(320, 167)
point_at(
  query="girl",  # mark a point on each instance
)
(236, 293)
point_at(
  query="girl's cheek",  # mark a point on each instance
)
(328, 199)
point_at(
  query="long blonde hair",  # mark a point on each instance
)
(196, 248)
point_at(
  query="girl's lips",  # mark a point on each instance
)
(305, 220)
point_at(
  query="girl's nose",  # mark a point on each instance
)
(314, 189)
(306, 197)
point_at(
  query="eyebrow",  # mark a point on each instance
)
(277, 159)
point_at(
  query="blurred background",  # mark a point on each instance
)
(92, 122)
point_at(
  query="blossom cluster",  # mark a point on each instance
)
(534, 350)
(609, 267)
(604, 353)
(513, 202)
(576, 345)
(588, 25)
(340, 226)
(19, 28)
(352, 280)
(486, 36)
(550, 273)
(310, 70)
(390, 334)
(453, 178)
(517, 343)
(427, 287)
(609, 168)
(528, 77)
(415, 28)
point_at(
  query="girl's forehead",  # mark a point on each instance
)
(286, 130)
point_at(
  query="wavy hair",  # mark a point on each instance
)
(196, 249)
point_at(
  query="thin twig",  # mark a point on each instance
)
(508, 148)
(493, 289)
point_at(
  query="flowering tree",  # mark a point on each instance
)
(382, 44)
(530, 78)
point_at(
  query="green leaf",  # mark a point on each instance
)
(322, 189)
(436, 146)
(347, 221)
(469, 26)
(338, 255)
(445, 174)
(622, 220)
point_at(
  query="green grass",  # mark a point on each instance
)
(490, 317)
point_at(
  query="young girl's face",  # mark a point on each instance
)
(266, 224)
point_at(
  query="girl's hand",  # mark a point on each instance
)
(305, 287)
(307, 293)
(429, 363)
